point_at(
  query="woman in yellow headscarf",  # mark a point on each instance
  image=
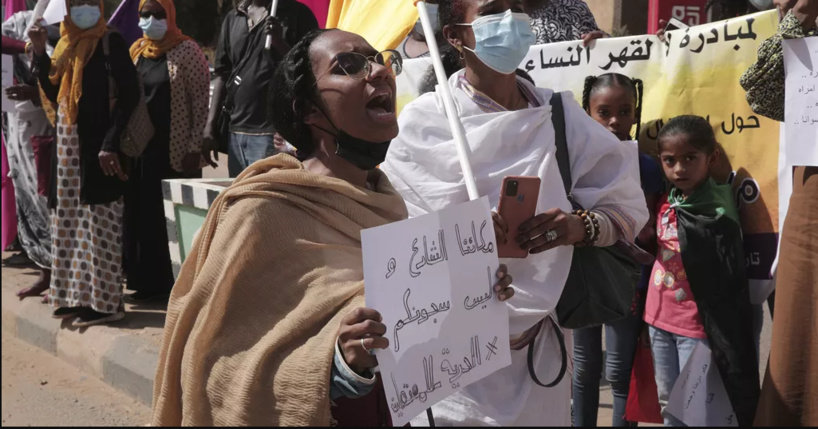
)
(89, 180)
(176, 81)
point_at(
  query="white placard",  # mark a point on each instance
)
(432, 278)
(8, 80)
(55, 12)
(699, 397)
(801, 89)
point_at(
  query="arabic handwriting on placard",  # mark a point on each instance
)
(474, 303)
(492, 349)
(638, 54)
(453, 371)
(415, 250)
(420, 316)
(483, 248)
(438, 253)
(408, 395)
(390, 267)
(468, 245)
(471, 361)
(806, 89)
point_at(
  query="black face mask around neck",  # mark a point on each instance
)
(364, 154)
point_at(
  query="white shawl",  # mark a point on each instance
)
(423, 165)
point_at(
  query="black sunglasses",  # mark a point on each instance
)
(359, 66)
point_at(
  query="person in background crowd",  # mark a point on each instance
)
(615, 101)
(244, 70)
(176, 81)
(726, 9)
(90, 181)
(28, 120)
(562, 20)
(266, 324)
(699, 293)
(789, 396)
(495, 105)
(414, 46)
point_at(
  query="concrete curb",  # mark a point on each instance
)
(116, 356)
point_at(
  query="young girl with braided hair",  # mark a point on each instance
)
(615, 101)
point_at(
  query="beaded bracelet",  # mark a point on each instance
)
(592, 229)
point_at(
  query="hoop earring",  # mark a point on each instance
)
(462, 54)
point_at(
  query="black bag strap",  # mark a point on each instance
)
(563, 352)
(558, 120)
(252, 42)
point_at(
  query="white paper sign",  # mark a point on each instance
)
(699, 397)
(55, 12)
(801, 89)
(432, 279)
(8, 80)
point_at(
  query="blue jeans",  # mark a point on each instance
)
(670, 354)
(620, 343)
(245, 149)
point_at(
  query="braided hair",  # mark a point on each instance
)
(292, 92)
(594, 84)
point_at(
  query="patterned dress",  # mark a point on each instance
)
(24, 122)
(764, 80)
(87, 245)
(562, 20)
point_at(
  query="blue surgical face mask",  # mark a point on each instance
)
(432, 9)
(154, 29)
(85, 16)
(502, 40)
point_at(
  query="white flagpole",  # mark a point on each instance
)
(459, 133)
(273, 8)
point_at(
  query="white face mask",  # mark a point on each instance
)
(85, 16)
(154, 29)
(502, 40)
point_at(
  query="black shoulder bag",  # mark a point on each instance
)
(601, 283)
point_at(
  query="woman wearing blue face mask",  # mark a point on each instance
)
(176, 81)
(509, 129)
(89, 179)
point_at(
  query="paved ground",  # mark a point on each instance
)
(41, 390)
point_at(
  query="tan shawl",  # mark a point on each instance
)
(255, 312)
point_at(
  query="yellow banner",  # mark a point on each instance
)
(383, 23)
